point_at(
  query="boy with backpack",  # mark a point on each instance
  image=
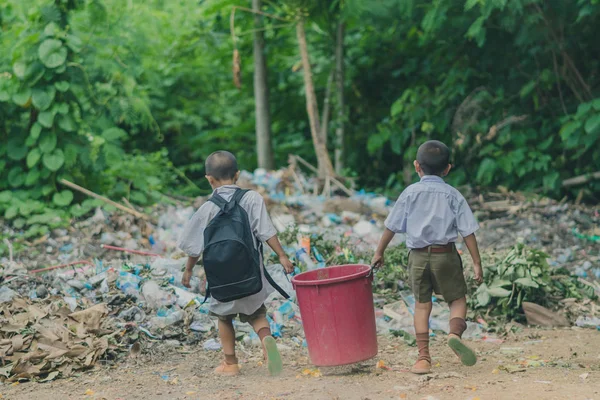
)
(432, 214)
(228, 232)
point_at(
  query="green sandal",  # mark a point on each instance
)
(466, 355)
(273, 357)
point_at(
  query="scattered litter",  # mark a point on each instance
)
(212, 344)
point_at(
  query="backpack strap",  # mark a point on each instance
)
(224, 205)
(218, 200)
(238, 195)
(270, 279)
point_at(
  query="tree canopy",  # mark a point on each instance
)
(127, 98)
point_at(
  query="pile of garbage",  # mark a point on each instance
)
(113, 287)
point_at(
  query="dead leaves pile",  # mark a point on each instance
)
(41, 339)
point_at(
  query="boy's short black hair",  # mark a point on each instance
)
(433, 156)
(221, 165)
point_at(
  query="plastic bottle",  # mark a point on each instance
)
(171, 319)
(304, 258)
(156, 297)
(129, 283)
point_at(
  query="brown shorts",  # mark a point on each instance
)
(260, 313)
(441, 273)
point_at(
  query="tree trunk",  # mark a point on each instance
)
(324, 162)
(327, 108)
(264, 148)
(341, 115)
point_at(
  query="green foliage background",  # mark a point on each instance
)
(126, 98)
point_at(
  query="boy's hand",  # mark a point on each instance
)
(185, 279)
(478, 273)
(377, 261)
(287, 264)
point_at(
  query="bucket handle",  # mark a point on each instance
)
(371, 273)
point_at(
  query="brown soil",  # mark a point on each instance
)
(558, 364)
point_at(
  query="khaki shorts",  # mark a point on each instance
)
(260, 313)
(441, 273)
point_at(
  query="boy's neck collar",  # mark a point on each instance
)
(431, 178)
(227, 186)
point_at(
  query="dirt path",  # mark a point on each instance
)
(570, 370)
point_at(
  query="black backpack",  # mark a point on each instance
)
(231, 262)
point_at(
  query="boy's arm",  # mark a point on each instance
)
(189, 268)
(283, 258)
(385, 240)
(394, 223)
(471, 242)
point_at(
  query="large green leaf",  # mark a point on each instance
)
(32, 177)
(35, 131)
(486, 171)
(528, 282)
(42, 98)
(22, 97)
(54, 161)
(16, 149)
(5, 196)
(16, 177)
(592, 124)
(114, 134)
(33, 157)
(46, 119)
(63, 198)
(52, 53)
(48, 142)
(66, 123)
(569, 128)
(11, 212)
(483, 297)
(499, 292)
(19, 69)
(74, 43)
(62, 86)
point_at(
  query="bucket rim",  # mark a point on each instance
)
(329, 281)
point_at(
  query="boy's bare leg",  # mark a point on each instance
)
(270, 352)
(422, 313)
(458, 325)
(227, 336)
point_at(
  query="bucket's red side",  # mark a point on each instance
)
(339, 320)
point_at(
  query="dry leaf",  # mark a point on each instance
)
(91, 317)
(51, 376)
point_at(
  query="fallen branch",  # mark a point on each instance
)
(339, 184)
(581, 179)
(106, 200)
(35, 271)
(504, 123)
(138, 252)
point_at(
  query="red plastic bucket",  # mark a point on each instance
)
(336, 305)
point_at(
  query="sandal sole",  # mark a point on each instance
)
(467, 356)
(274, 363)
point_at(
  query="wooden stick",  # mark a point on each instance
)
(296, 179)
(86, 262)
(306, 164)
(341, 186)
(334, 180)
(138, 252)
(578, 180)
(106, 200)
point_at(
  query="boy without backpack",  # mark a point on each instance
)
(432, 214)
(228, 232)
